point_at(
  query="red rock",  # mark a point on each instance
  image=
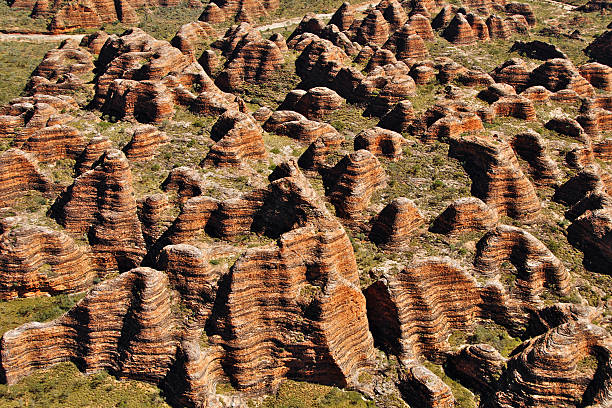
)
(459, 31)
(279, 40)
(567, 126)
(444, 17)
(479, 27)
(421, 26)
(19, 173)
(537, 93)
(144, 143)
(394, 13)
(373, 30)
(316, 103)
(478, 365)
(599, 75)
(185, 182)
(75, 16)
(296, 126)
(422, 73)
(309, 24)
(38, 261)
(54, 143)
(590, 179)
(380, 58)
(523, 9)
(190, 37)
(496, 175)
(315, 156)
(381, 142)
(465, 215)
(212, 14)
(256, 61)
(530, 147)
(399, 118)
(498, 27)
(100, 203)
(421, 387)
(413, 312)
(351, 183)
(536, 266)
(475, 78)
(405, 43)
(513, 72)
(396, 224)
(603, 150)
(343, 17)
(320, 62)
(515, 106)
(557, 74)
(96, 147)
(496, 91)
(238, 138)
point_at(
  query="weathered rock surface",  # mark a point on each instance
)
(538, 50)
(600, 49)
(349, 185)
(19, 173)
(100, 203)
(465, 215)
(190, 36)
(515, 106)
(420, 387)
(459, 31)
(145, 141)
(396, 224)
(315, 103)
(296, 126)
(599, 75)
(38, 261)
(238, 138)
(399, 118)
(530, 147)
(381, 142)
(496, 175)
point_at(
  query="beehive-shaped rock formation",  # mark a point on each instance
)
(412, 313)
(19, 173)
(496, 175)
(459, 31)
(557, 74)
(422, 26)
(536, 266)
(548, 371)
(100, 203)
(374, 29)
(296, 126)
(599, 75)
(381, 142)
(396, 224)
(144, 143)
(315, 103)
(420, 387)
(498, 27)
(238, 138)
(351, 183)
(54, 143)
(406, 43)
(530, 147)
(479, 365)
(190, 36)
(465, 215)
(399, 118)
(124, 325)
(600, 49)
(92, 152)
(515, 106)
(343, 17)
(36, 261)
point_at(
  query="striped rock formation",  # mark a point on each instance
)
(218, 11)
(459, 31)
(465, 215)
(145, 141)
(296, 126)
(288, 305)
(406, 43)
(19, 173)
(190, 36)
(536, 267)
(54, 143)
(316, 103)
(343, 17)
(599, 75)
(124, 325)
(421, 26)
(478, 365)
(557, 74)
(100, 203)
(38, 261)
(349, 185)
(515, 106)
(184, 182)
(399, 118)
(238, 138)
(374, 29)
(530, 147)
(497, 178)
(396, 224)
(548, 371)
(381, 142)
(412, 312)
(420, 387)
(600, 49)
(93, 151)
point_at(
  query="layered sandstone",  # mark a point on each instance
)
(496, 176)
(19, 173)
(599, 75)
(459, 31)
(601, 49)
(145, 141)
(100, 203)
(396, 224)
(38, 261)
(238, 138)
(465, 215)
(296, 126)
(399, 118)
(530, 147)
(316, 103)
(349, 185)
(381, 142)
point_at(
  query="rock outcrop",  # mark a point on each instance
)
(190, 37)
(598, 75)
(496, 175)
(19, 173)
(145, 141)
(396, 224)
(600, 49)
(316, 103)
(381, 142)
(238, 138)
(530, 147)
(296, 126)
(100, 203)
(465, 215)
(459, 31)
(38, 261)
(349, 185)
(420, 387)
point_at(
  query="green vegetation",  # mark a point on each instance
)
(487, 333)
(63, 386)
(19, 20)
(293, 394)
(163, 22)
(464, 398)
(39, 309)
(15, 68)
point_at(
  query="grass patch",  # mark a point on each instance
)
(464, 398)
(487, 333)
(64, 386)
(16, 69)
(293, 394)
(40, 309)
(19, 20)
